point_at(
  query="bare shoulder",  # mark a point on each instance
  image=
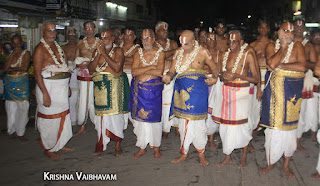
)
(298, 45)
(173, 43)
(254, 43)
(118, 50)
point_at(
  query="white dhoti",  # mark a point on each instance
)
(309, 115)
(73, 99)
(54, 122)
(127, 116)
(17, 116)
(254, 108)
(192, 131)
(318, 166)
(86, 102)
(148, 133)
(278, 143)
(166, 103)
(231, 111)
(212, 126)
(234, 137)
(108, 127)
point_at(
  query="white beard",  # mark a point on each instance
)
(108, 46)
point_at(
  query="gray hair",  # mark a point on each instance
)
(150, 30)
(237, 31)
(45, 23)
(160, 23)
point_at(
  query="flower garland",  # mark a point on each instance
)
(305, 41)
(130, 50)
(288, 54)
(226, 56)
(87, 46)
(63, 62)
(167, 45)
(19, 59)
(154, 59)
(105, 64)
(181, 68)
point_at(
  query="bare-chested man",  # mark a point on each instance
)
(111, 86)
(281, 103)
(309, 116)
(221, 36)
(84, 55)
(146, 95)
(315, 37)
(129, 49)
(169, 46)
(52, 93)
(232, 111)
(203, 38)
(216, 57)
(259, 47)
(16, 89)
(190, 98)
(70, 51)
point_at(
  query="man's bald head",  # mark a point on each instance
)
(187, 40)
(48, 31)
(287, 26)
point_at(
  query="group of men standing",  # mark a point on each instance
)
(213, 83)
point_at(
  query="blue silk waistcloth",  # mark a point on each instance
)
(146, 100)
(190, 96)
(16, 87)
(281, 100)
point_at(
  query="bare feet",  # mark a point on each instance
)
(289, 173)
(81, 131)
(313, 136)
(157, 153)
(300, 147)
(211, 142)
(251, 148)
(140, 153)
(67, 148)
(266, 169)
(177, 133)
(203, 161)
(243, 163)
(227, 160)
(315, 175)
(118, 149)
(165, 135)
(96, 153)
(180, 159)
(52, 155)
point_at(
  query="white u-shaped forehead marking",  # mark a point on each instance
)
(232, 36)
(183, 40)
(290, 26)
(103, 34)
(299, 22)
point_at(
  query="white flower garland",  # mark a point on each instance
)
(226, 56)
(131, 49)
(181, 68)
(63, 62)
(87, 46)
(167, 45)
(288, 54)
(305, 41)
(105, 64)
(19, 59)
(154, 59)
(277, 45)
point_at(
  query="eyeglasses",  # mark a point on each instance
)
(210, 39)
(89, 28)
